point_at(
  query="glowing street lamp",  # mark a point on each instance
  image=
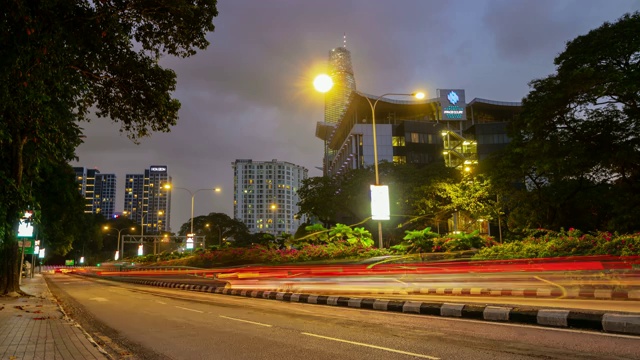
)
(323, 83)
(117, 255)
(193, 194)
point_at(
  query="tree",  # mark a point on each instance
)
(215, 227)
(576, 146)
(61, 208)
(58, 60)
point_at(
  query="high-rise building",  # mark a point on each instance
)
(265, 195)
(104, 200)
(146, 201)
(338, 99)
(98, 191)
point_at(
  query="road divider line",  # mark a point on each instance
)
(160, 302)
(372, 346)
(245, 321)
(194, 310)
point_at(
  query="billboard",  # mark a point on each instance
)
(452, 104)
(380, 209)
(25, 229)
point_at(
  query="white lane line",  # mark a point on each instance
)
(184, 308)
(246, 321)
(374, 346)
(160, 302)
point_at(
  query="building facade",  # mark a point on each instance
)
(265, 195)
(146, 201)
(98, 191)
(444, 128)
(105, 195)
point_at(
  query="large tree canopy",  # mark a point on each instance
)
(576, 146)
(61, 59)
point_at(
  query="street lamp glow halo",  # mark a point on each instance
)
(419, 95)
(323, 83)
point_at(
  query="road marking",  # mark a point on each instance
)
(373, 346)
(99, 299)
(184, 308)
(246, 321)
(160, 302)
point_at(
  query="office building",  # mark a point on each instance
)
(445, 128)
(265, 195)
(146, 201)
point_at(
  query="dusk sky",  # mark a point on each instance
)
(250, 94)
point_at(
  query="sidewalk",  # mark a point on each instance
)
(36, 328)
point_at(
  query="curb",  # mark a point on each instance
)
(581, 293)
(621, 323)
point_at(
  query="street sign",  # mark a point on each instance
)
(29, 246)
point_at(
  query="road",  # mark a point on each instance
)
(159, 323)
(327, 288)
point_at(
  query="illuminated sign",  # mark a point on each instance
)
(452, 104)
(158, 168)
(25, 229)
(380, 202)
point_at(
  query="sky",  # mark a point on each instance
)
(249, 95)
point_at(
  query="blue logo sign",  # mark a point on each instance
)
(453, 97)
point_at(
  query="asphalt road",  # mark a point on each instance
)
(141, 322)
(631, 306)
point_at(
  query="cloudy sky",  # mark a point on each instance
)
(249, 95)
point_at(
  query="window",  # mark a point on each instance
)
(397, 141)
(415, 137)
(399, 159)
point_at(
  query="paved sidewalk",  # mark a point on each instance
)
(36, 328)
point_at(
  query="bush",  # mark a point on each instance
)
(545, 243)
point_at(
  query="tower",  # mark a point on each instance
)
(337, 100)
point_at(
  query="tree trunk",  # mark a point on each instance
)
(10, 271)
(9, 266)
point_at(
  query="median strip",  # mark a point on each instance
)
(612, 322)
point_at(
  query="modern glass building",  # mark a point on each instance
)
(337, 100)
(445, 128)
(265, 195)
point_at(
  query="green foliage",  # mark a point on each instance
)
(575, 144)
(264, 255)
(546, 243)
(61, 59)
(417, 241)
(216, 227)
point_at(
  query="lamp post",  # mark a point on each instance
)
(274, 208)
(106, 227)
(324, 83)
(193, 194)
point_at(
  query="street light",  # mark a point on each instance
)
(274, 209)
(106, 227)
(193, 194)
(324, 83)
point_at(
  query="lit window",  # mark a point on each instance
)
(398, 141)
(399, 159)
(415, 137)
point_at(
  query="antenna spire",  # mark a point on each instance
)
(344, 40)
